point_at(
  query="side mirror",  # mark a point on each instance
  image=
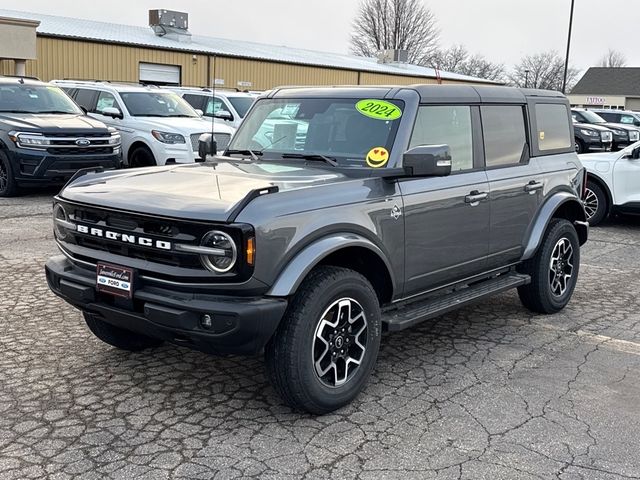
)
(205, 146)
(635, 153)
(112, 112)
(223, 115)
(427, 161)
(199, 112)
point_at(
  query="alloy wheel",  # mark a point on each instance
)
(591, 203)
(561, 267)
(340, 342)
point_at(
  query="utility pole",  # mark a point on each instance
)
(566, 59)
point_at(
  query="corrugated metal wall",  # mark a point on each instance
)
(64, 58)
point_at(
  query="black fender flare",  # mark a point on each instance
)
(571, 207)
(299, 267)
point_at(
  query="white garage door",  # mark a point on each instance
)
(158, 74)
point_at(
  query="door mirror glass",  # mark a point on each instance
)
(427, 161)
(223, 115)
(635, 153)
(111, 112)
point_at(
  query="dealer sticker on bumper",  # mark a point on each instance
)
(114, 280)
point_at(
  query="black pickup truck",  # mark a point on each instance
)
(45, 138)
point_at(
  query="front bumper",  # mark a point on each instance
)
(595, 143)
(240, 325)
(33, 167)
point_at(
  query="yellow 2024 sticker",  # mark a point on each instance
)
(377, 157)
(379, 109)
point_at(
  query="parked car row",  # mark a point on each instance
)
(45, 138)
(604, 129)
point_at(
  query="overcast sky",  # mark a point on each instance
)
(502, 30)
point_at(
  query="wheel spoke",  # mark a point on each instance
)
(561, 267)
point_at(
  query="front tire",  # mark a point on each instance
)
(118, 337)
(553, 270)
(142, 157)
(596, 203)
(580, 146)
(326, 346)
(8, 187)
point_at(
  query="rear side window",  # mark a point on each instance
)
(504, 134)
(85, 98)
(195, 101)
(553, 127)
(446, 125)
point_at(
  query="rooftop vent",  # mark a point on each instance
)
(393, 56)
(170, 24)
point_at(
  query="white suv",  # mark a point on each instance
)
(613, 183)
(229, 106)
(156, 125)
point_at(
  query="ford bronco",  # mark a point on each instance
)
(370, 209)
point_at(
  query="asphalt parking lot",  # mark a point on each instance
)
(490, 391)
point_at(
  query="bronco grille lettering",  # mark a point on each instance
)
(123, 237)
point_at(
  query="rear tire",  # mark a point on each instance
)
(118, 337)
(553, 270)
(8, 187)
(142, 157)
(326, 346)
(596, 203)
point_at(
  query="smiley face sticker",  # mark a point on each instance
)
(377, 157)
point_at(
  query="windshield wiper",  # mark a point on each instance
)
(253, 153)
(312, 156)
(16, 111)
(59, 112)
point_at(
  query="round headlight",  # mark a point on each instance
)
(225, 259)
(60, 217)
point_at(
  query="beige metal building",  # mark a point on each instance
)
(159, 54)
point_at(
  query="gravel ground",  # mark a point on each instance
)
(490, 391)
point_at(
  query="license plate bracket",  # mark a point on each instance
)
(115, 280)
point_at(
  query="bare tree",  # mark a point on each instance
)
(543, 70)
(457, 59)
(613, 59)
(395, 24)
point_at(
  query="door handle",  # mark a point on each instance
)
(475, 197)
(533, 186)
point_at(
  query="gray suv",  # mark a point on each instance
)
(371, 209)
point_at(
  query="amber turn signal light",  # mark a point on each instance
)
(251, 251)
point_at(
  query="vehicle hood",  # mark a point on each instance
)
(48, 123)
(620, 126)
(593, 126)
(211, 191)
(182, 125)
(588, 158)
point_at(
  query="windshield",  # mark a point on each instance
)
(353, 132)
(592, 117)
(22, 98)
(157, 104)
(241, 104)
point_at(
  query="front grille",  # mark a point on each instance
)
(173, 231)
(80, 151)
(222, 139)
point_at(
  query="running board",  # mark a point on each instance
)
(414, 313)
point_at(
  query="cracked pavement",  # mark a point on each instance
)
(490, 391)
